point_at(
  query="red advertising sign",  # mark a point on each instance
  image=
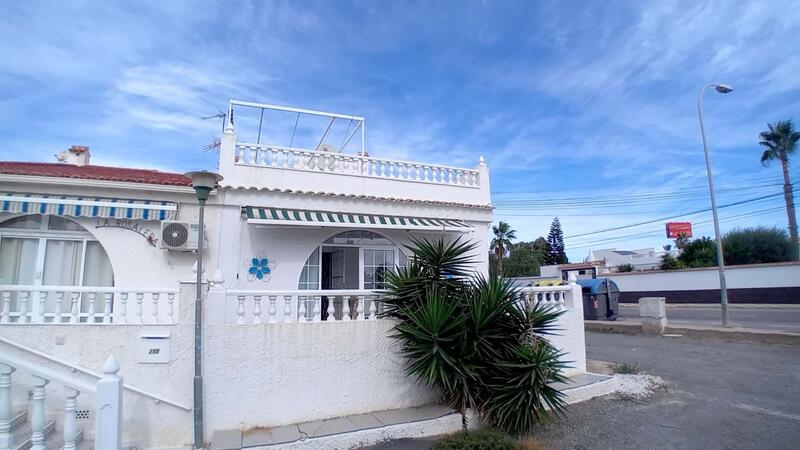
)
(676, 229)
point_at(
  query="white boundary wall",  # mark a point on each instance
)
(776, 275)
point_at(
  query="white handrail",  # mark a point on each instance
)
(105, 289)
(302, 292)
(77, 368)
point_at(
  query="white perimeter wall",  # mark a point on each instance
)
(737, 277)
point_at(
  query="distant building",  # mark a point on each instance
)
(640, 259)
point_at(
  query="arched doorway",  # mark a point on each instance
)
(351, 260)
(347, 262)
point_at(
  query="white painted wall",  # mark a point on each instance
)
(737, 277)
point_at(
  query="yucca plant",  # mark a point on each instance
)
(473, 338)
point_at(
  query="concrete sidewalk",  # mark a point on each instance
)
(735, 334)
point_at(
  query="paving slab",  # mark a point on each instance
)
(365, 421)
(226, 440)
(397, 416)
(321, 428)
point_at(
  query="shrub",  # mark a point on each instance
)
(627, 267)
(470, 338)
(626, 368)
(669, 262)
(700, 252)
(476, 440)
(757, 245)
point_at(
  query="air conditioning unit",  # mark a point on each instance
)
(179, 236)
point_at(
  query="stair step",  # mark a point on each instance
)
(22, 436)
(57, 442)
(18, 420)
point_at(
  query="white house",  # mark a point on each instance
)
(640, 259)
(98, 261)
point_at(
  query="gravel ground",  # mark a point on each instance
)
(702, 395)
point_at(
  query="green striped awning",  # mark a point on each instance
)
(110, 208)
(280, 216)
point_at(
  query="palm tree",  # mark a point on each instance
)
(503, 234)
(780, 142)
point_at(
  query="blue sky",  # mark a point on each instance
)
(585, 110)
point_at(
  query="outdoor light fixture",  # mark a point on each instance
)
(723, 289)
(202, 182)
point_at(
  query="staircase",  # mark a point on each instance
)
(27, 421)
(21, 435)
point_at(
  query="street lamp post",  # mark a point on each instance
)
(202, 182)
(722, 89)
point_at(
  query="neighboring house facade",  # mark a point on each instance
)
(640, 259)
(98, 261)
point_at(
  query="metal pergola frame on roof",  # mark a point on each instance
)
(360, 121)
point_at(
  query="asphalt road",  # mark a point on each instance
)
(779, 319)
(719, 395)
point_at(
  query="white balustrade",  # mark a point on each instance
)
(36, 381)
(244, 307)
(338, 163)
(549, 296)
(38, 417)
(6, 416)
(56, 305)
(70, 426)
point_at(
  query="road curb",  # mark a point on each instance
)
(726, 334)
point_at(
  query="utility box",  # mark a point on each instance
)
(154, 348)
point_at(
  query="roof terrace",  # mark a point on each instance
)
(325, 167)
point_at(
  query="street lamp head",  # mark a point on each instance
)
(203, 182)
(723, 89)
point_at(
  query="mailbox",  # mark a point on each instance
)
(154, 348)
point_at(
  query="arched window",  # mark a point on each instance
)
(51, 250)
(351, 260)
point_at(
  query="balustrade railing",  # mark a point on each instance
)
(256, 307)
(22, 304)
(337, 163)
(302, 306)
(558, 297)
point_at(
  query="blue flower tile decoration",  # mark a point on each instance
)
(259, 267)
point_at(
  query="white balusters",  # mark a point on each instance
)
(346, 307)
(70, 425)
(122, 316)
(23, 306)
(373, 307)
(74, 308)
(92, 310)
(360, 307)
(38, 311)
(316, 314)
(272, 311)
(107, 299)
(315, 161)
(256, 309)
(139, 307)
(301, 309)
(6, 311)
(38, 419)
(59, 307)
(171, 307)
(240, 309)
(287, 308)
(5, 405)
(155, 296)
(331, 310)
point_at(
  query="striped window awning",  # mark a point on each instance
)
(74, 206)
(300, 217)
